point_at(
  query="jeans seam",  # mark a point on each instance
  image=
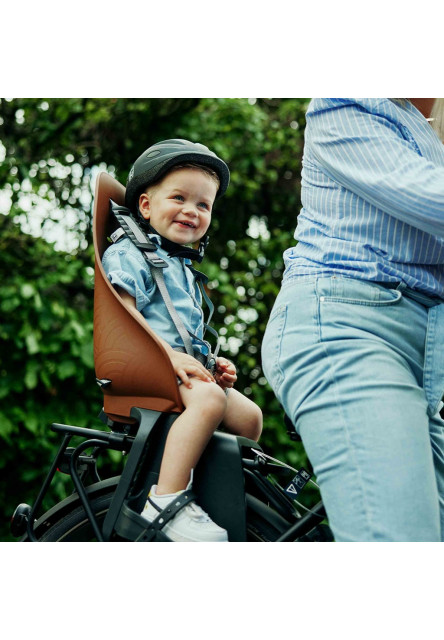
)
(430, 336)
(281, 318)
(332, 378)
(317, 316)
(364, 303)
(358, 303)
(351, 451)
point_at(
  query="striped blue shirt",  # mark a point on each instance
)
(372, 195)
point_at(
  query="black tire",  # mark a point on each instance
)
(75, 527)
(67, 521)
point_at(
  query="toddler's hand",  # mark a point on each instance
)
(185, 365)
(225, 373)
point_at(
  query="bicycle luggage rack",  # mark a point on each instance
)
(100, 440)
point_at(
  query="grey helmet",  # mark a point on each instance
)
(158, 159)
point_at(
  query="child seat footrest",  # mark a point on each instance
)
(172, 508)
(132, 526)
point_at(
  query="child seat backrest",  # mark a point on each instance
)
(126, 351)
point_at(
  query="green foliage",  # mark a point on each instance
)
(46, 360)
(50, 153)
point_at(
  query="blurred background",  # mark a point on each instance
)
(51, 151)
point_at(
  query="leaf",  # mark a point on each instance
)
(87, 354)
(32, 423)
(31, 379)
(32, 343)
(27, 290)
(66, 369)
(6, 427)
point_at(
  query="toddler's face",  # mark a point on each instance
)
(179, 208)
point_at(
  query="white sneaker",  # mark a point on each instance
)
(190, 524)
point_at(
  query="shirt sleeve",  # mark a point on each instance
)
(125, 267)
(374, 157)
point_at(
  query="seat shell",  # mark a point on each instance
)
(126, 350)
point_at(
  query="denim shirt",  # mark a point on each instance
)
(126, 267)
(372, 195)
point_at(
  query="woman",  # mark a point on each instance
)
(354, 348)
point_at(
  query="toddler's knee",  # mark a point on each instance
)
(253, 423)
(213, 401)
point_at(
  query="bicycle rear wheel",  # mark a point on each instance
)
(263, 524)
(68, 522)
(266, 525)
(75, 527)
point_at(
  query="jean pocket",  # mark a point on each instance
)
(355, 292)
(355, 310)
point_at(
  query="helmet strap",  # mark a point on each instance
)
(176, 250)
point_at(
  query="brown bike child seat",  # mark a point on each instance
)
(132, 366)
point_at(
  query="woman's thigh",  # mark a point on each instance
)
(369, 444)
(346, 364)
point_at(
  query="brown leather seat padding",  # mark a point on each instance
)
(126, 350)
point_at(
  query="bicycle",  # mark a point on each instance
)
(235, 481)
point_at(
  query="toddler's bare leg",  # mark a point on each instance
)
(242, 417)
(205, 405)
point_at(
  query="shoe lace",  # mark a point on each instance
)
(197, 513)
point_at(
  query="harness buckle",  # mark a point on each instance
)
(211, 364)
(156, 261)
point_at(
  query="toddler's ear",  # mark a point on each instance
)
(145, 206)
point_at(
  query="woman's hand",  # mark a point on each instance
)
(186, 366)
(225, 373)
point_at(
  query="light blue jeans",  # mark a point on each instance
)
(359, 369)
